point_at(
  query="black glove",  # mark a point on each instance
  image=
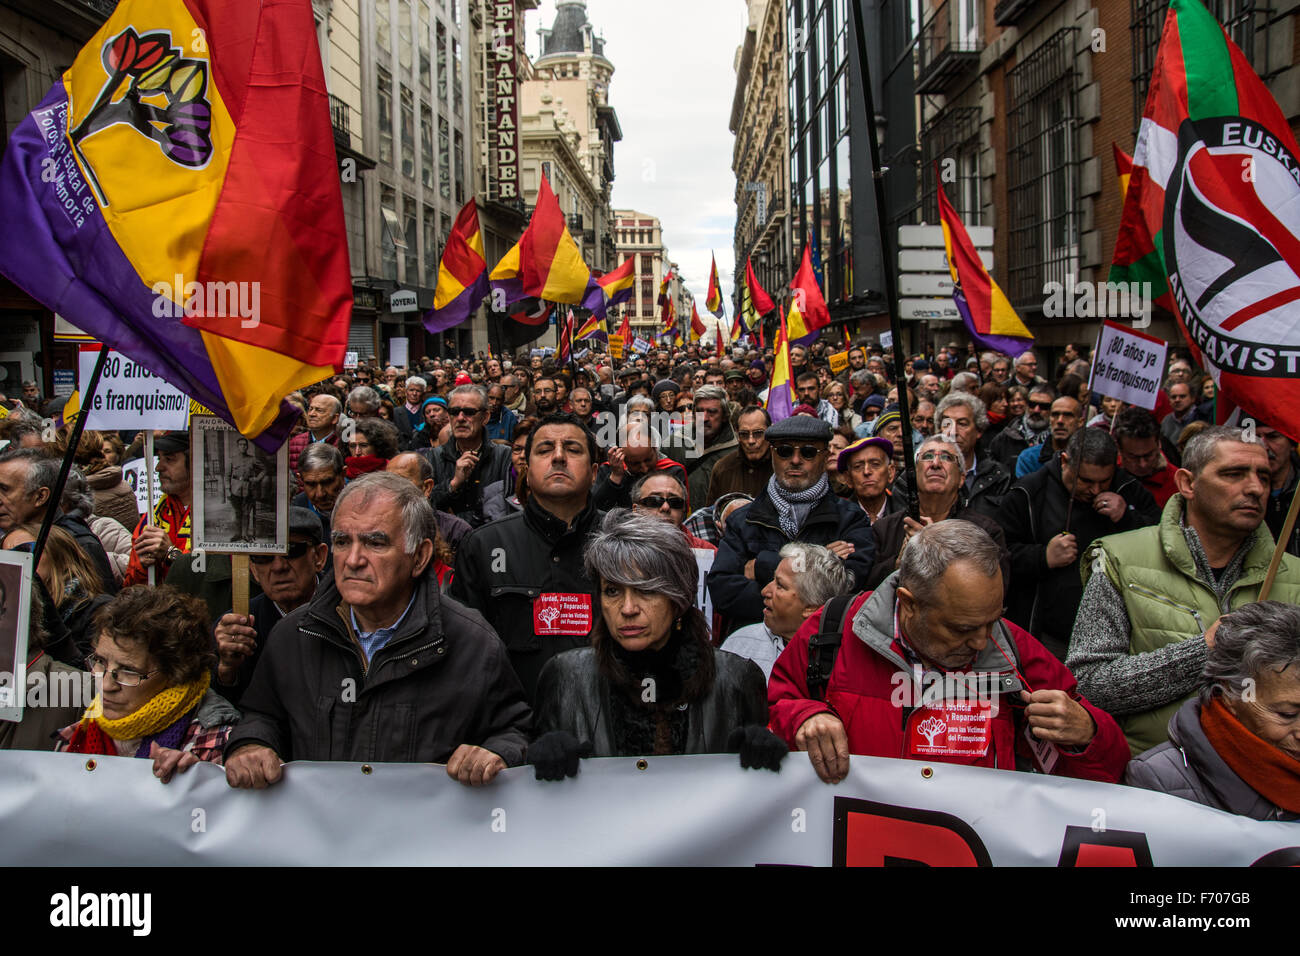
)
(759, 748)
(555, 755)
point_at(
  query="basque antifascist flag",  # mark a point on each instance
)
(1212, 217)
(176, 196)
(780, 393)
(808, 312)
(713, 300)
(545, 263)
(989, 318)
(462, 274)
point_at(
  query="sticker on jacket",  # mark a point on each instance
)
(951, 730)
(556, 615)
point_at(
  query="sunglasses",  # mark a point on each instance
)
(806, 452)
(1038, 405)
(461, 410)
(296, 550)
(688, 407)
(657, 501)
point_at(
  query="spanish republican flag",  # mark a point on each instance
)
(780, 394)
(988, 316)
(613, 288)
(545, 263)
(1211, 218)
(1123, 169)
(462, 274)
(153, 199)
(697, 324)
(625, 330)
(713, 301)
(593, 328)
(808, 312)
(663, 286)
(759, 300)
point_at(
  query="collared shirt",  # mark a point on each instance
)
(372, 642)
(970, 472)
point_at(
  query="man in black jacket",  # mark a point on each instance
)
(1046, 586)
(465, 465)
(379, 666)
(524, 572)
(797, 505)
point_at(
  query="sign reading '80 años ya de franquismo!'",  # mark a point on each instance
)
(702, 810)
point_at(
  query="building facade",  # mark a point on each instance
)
(760, 121)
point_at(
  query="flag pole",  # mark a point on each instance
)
(74, 439)
(1279, 549)
(891, 285)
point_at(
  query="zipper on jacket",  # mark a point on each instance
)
(365, 668)
(1164, 600)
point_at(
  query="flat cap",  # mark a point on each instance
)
(799, 428)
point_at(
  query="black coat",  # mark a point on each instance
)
(466, 502)
(754, 532)
(265, 616)
(441, 681)
(505, 567)
(1044, 600)
(573, 695)
(889, 533)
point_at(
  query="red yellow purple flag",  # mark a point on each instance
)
(989, 318)
(150, 199)
(780, 393)
(697, 324)
(545, 263)
(808, 312)
(462, 274)
(713, 300)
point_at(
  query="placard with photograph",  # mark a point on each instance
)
(15, 620)
(241, 494)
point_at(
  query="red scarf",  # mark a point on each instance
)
(1268, 770)
(995, 418)
(364, 465)
(89, 739)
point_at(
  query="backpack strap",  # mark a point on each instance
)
(824, 646)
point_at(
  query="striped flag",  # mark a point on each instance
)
(713, 300)
(808, 312)
(780, 394)
(462, 274)
(1123, 169)
(545, 263)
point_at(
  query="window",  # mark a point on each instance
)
(953, 134)
(410, 225)
(385, 84)
(457, 88)
(1042, 163)
(442, 63)
(431, 251)
(408, 132)
(391, 236)
(444, 158)
(458, 169)
(423, 44)
(405, 37)
(426, 146)
(383, 27)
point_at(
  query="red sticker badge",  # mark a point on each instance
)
(951, 730)
(557, 615)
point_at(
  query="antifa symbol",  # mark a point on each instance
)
(163, 96)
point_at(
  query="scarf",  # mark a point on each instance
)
(787, 503)
(1268, 770)
(159, 718)
(364, 465)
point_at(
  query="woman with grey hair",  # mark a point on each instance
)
(1236, 746)
(807, 577)
(651, 682)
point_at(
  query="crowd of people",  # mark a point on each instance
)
(495, 562)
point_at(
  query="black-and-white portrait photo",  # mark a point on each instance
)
(15, 620)
(240, 492)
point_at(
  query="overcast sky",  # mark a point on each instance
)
(672, 89)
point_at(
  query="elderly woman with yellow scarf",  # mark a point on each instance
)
(153, 651)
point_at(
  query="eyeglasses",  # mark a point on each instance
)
(657, 501)
(460, 410)
(688, 407)
(296, 550)
(121, 675)
(751, 436)
(806, 452)
(946, 457)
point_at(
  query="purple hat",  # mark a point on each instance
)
(874, 401)
(884, 444)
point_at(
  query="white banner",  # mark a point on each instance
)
(665, 811)
(130, 397)
(137, 476)
(1128, 365)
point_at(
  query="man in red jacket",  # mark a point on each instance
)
(928, 669)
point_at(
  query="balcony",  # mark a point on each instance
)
(339, 119)
(1008, 12)
(575, 222)
(949, 46)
